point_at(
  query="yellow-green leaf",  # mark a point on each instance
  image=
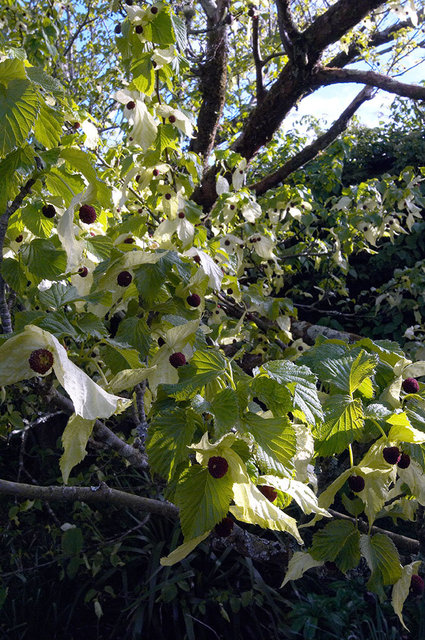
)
(74, 440)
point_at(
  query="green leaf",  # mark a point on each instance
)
(180, 32)
(58, 324)
(339, 542)
(276, 397)
(81, 161)
(349, 373)
(117, 357)
(19, 159)
(401, 588)
(298, 565)
(36, 222)
(40, 77)
(302, 384)
(361, 370)
(149, 279)
(162, 29)
(275, 436)
(136, 333)
(12, 70)
(203, 500)
(72, 541)
(58, 295)
(168, 438)
(48, 126)
(44, 260)
(144, 74)
(101, 246)
(91, 325)
(14, 274)
(342, 424)
(209, 362)
(382, 558)
(18, 110)
(225, 409)
(74, 440)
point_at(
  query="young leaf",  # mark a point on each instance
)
(74, 440)
(298, 565)
(343, 422)
(338, 542)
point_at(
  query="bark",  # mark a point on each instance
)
(329, 75)
(213, 83)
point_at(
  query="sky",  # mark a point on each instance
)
(329, 102)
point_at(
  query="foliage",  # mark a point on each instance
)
(162, 268)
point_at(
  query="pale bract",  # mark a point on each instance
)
(89, 399)
(208, 266)
(144, 124)
(181, 121)
(92, 134)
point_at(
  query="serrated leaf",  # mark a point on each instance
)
(301, 382)
(382, 558)
(168, 438)
(136, 333)
(44, 260)
(298, 565)
(118, 358)
(180, 32)
(276, 397)
(22, 158)
(18, 110)
(100, 246)
(91, 325)
(343, 422)
(203, 501)
(40, 77)
(401, 588)
(58, 295)
(36, 222)
(276, 436)
(48, 126)
(337, 542)
(162, 29)
(14, 274)
(300, 492)
(225, 409)
(12, 69)
(74, 440)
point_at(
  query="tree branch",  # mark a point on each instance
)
(6, 320)
(213, 83)
(288, 31)
(310, 151)
(332, 75)
(101, 494)
(257, 60)
(108, 437)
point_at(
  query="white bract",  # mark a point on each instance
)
(144, 125)
(90, 400)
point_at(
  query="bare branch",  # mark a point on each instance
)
(309, 152)
(91, 495)
(332, 75)
(288, 31)
(257, 60)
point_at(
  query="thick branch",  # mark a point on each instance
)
(310, 152)
(213, 82)
(91, 495)
(108, 437)
(332, 75)
(294, 82)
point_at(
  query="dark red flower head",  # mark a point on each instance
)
(194, 300)
(218, 466)
(356, 483)
(41, 360)
(87, 214)
(83, 272)
(391, 454)
(130, 105)
(268, 492)
(410, 385)
(177, 359)
(48, 211)
(404, 461)
(124, 278)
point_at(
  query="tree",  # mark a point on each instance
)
(160, 234)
